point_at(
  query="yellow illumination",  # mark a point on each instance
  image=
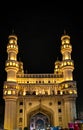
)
(68, 63)
(14, 92)
(9, 92)
(64, 46)
(12, 58)
(56, 66)
(11, 46)
(61, 92)
(63, 42)
(64, 63)
(75, 92)
(11, 79)
(67, 41)
(6, 86)
(40, 92)
(20, 89)
(11, 41)
(5, 92)
(66, 57)
(24, 93)
(71, 63)
(14, 63)
(10, 63)
(7, 64)
(66, 85)
(70, 92)
(16, 87)
(43, 92)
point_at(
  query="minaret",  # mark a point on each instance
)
(20, 70)
(69, 89)
(67, 63)
(10, 90)
(12, 63)
(58, 70)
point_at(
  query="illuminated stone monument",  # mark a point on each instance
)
(38, 101)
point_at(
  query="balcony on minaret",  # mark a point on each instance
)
(13, 39)
(11, 64)
(57, 69)
(12, 47)
(67, 63)
(69, 88)
(10, 88)
(67, 47)
(65, 38)
(11, 68)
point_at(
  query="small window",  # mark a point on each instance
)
(21, 110)
(59, 110)
(50, 103)
(42, 81)
(58, 92)
(39, 81)
(60, 119)
(21, 103)
(48, 81)
(20, 120)
(59, 102)
(30, 103)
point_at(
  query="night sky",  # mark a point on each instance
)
(39, 29)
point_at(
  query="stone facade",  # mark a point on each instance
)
(39, 101)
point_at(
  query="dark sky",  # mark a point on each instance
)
(39, 29)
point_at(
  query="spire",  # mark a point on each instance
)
(12, 31)
(64, 32)
(57, 58)
(13, 35)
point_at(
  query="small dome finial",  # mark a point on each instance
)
(12, 31)
(57, 58)
(64, 32)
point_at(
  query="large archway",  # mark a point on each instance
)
(39, 119)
